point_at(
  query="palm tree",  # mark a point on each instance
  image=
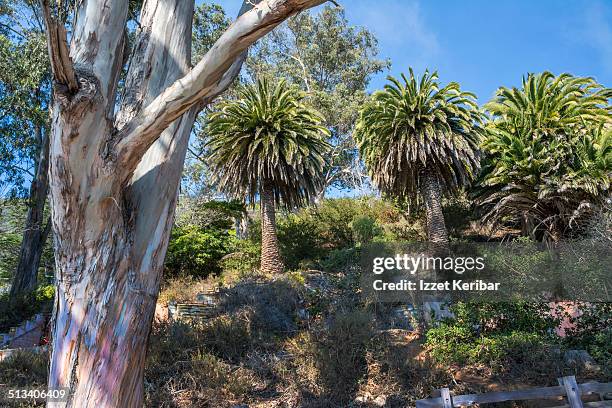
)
(268, 143)
(548, 154)
(417, 138)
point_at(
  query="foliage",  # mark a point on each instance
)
(12, 220)
(415, 126)
(9, 256)
(548, 154)
(311, 235)
(299, 240)
(333, 62)
(270, 136)
(24, 97)
(209, 22)
(14, 312)
(364, 229)
(496, 334)
(339, 260)
(197, 251)
(207, 214)
(592, 331)
(242, 263)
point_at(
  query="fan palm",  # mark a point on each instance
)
(268, 143)
(548, 152)
(418, 138)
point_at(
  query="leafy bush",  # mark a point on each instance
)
(209, 214)
(14, 312)
(298, 239)
(9, 256)
(493, 334)
(197, 251)
(340, 260)
(242, 263)
(364, 229)
(313, 234)
(592, 332)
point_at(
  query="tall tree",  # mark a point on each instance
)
(416, 137)
(548, 155)
(114, 175)
(268, 143)
(333, 61)
(25, 90)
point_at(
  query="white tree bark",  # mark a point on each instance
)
(114, 177)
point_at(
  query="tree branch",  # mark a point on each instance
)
(61, 63)
(211, 76)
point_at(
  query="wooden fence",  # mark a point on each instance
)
(568, 388)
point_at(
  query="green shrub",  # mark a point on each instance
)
(242, 263)
(299, 239)
(493, 333)
(592, 332)
(14, 312)
(9, 256)
(219, 215)
(364, 229)
(340, 260)
(196, 251)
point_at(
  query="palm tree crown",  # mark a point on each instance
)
(415, 126)
(268, 136)
(548, 154)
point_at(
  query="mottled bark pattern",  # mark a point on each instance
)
(271, 260)
(431, 191)
(114, 179)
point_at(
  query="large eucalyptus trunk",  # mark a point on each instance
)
(36, 228)
(431, 191)
(114, 176)
(271, 260)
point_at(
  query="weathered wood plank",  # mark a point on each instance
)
(503, 396)
(594, 404)
(520, 395)
(572, 391)
(595, 388)
(446, 398)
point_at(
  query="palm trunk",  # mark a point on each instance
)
(36, 230)
(271, 261)
(437, 234)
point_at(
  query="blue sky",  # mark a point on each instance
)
(483, 44)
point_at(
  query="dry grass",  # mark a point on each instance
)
(263, 351)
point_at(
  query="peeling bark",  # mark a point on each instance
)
(114, 180)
